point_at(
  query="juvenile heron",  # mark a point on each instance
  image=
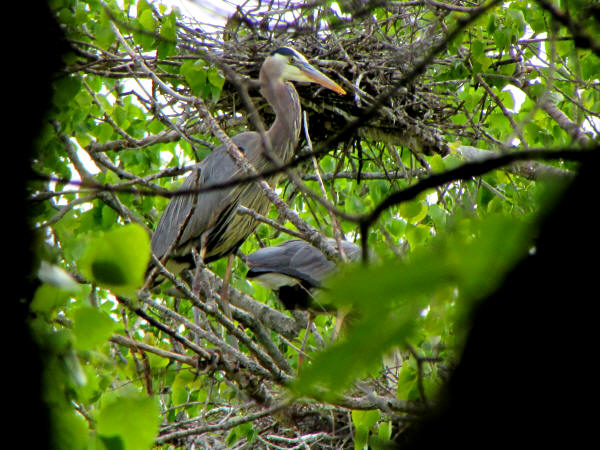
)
(214, 228)
(294, 270)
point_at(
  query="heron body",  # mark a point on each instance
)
(214, 227)
(294, 269)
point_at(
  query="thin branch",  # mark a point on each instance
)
(227, 425)
(581, 37)
(467, 171)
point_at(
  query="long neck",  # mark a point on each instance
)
(285, 130)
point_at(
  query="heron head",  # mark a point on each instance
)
(290, 65)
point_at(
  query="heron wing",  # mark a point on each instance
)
(295, 258)
(217, 167)
(299, 259)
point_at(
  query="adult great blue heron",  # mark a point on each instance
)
(214, 227)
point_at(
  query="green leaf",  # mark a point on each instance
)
(413, 211)
(69, 430)
(417, 234)
(141, 6)
(121, 116)
(244, 430)
(516, 20)
(215, 94)
(147, 20)
(384, 303)
(363, 421)
(407, 381)
(491, 26)
(65, 89)
(477, 48)
(118, 259)
(103, 132)
(385, 300)
(384, 430)
(131, 421)
(155, 126)
(104, 35)
(590, 66)
(47, 299)
(165, 49)
(91, 327)
(215, 78)
(109, 216)
(168, 29)
(479, 59)
(536, 18)
(396, 227)
(195, 75)
(502, 38)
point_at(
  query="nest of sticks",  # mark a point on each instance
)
(390, 99)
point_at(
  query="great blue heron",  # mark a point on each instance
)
(294, 269)
(214, 228)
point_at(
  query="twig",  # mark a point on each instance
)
(221, 426)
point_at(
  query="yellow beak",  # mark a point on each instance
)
(316, 76)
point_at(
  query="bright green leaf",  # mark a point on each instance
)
(407, 381)
(502, 37)
(48, 299)
(365, 419)
(413, 211)
(118, 259)
(131, 420)
(384, 430)
(516, 20)
(104, 35)
(195, 75)
(215, 78)
(91, 327)
(147, 20)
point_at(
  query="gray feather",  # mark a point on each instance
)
(297, 259)
(217, 167)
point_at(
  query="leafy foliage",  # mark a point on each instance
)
(431, 87)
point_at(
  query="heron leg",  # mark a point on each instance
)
(305, 340)
(224, 301)
(200, 287)
(199, 262)
(225, 287)
(339, 323)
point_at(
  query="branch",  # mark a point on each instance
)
(268, 369)
(260, 218)
(531, 170)
(581, 37)
(468, 171)
(226, 425)
(397, 174)
(133, 344)
(572, 128)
